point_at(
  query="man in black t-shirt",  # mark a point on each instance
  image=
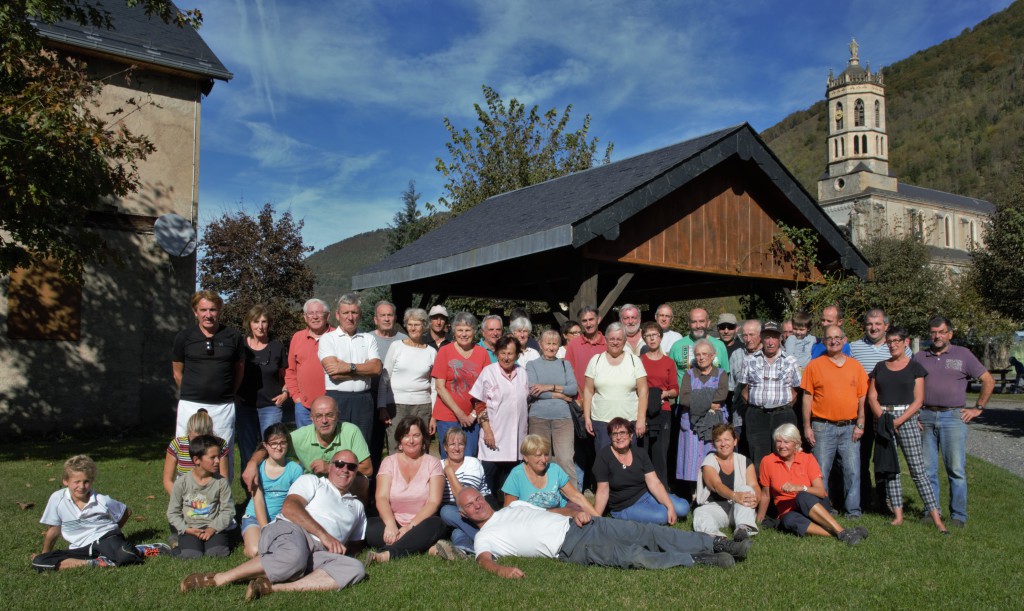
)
(208, 362)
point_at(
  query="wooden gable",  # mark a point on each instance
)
(723, 222)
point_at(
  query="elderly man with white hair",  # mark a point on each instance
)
(304, 377)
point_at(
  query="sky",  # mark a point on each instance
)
(335, 106)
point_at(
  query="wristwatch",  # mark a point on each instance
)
(352, 367)
(979, 406)
(805, 488)
(860, 426)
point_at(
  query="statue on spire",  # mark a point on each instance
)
(854, 49)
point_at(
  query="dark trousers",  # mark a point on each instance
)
(656, 443)
(631, 545)
(495, 473)
(111, 546)
(356, 408)
(758, 427)
(418, 540)
(191, 546)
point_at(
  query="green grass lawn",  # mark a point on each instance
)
(910, 566)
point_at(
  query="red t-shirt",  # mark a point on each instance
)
(774, 474)
(459, 375)
(662, 374)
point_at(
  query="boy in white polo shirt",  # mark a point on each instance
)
(89, 521)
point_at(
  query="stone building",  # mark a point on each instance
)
(95, 355)
(859, 193)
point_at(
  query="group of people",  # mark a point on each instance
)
(525, 424)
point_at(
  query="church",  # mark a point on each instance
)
(858, 192)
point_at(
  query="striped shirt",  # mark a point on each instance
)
(470, 474)
(770, 384)
(178, 448)
(869, 355)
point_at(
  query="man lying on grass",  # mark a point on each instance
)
(524, 530)
(304, 548)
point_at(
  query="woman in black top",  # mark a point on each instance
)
(627, 483)
(262, 391)
(896, 392)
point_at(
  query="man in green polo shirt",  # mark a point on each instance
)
(313, 446)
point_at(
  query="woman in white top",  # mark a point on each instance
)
(405, 382)
(727, 493)
(521, 328)
(616, 387)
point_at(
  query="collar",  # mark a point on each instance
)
(598, 339)
(310, 335)
(92, 498)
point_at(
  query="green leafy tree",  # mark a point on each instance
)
(409, 223)
(59, 158)
(257, 260)
(512, 147)
(999, 264)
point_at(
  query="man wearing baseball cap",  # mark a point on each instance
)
(439, 334)
(727, 332)
(770, 382)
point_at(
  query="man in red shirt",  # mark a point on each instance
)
(583, 347)
(304, 377)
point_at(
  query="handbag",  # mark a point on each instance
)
(579, 425)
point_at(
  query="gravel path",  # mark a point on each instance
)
(998, 434)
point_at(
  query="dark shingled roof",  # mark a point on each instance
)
(138, 37)
(949, 199)
(572, 210)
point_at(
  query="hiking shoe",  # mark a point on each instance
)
(850, 537)
(446, 551)
(927, 519)
(860, 530)
(736, 549)
(258, 588)
(719, 559)
(197, 581)
(151, 550)
(957, 523)
(742, 533)
(772, 523)
(101, 562)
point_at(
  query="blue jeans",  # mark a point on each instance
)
(947, 431)
(250, 422)
(472, 437)
(463, 531)
(302, 415)
(830, 440)
(648, 509)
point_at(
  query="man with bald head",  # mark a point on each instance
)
(664, 317)
(309, 547)
(682, 351)
(830, 315)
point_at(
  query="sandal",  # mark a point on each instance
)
(197, 581)
(258, 588)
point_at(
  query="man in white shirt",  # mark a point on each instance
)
(310, 544)
(629, 316)
(351, 360)
(527, 531)
(664, 316)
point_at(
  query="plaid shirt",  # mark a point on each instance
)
(770, 384)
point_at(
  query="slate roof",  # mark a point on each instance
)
(574, 209)
(140, 38)
(949, 199)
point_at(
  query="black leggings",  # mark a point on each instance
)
(418, 540)
(191, 546)
(112, 546)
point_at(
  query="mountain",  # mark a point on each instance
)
(335, 265)
(955, 115)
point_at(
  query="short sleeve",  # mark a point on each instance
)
(292, 472)
(440, 368)
(178, 350)
(372, 349)
(917, 369)
(813, 468)
(51, 517)
(645, 461)
(638, 367)
(115, 508)
(591, 371)
(973, 366)
(172, 448)
(513, 483)
(434, 468)
(239, 347)
(358, 532)
(560, 476)
(763, 478)
(601, 471)
(305, 486)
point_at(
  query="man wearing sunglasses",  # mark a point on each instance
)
(309, 547)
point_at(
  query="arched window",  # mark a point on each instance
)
(858, 113)
(946, 225)
(842, 146)
(839, 116)
(835, 143)
(856, 145)
(878, 114)
(864, 144)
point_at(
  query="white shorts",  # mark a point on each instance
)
(223, 415)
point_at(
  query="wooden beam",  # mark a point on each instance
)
(586, 295)
(613, 295)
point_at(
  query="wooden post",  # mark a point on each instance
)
(609, 300)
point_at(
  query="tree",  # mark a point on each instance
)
(409, 223)
(59, 160)
(257, 260)
(999, 264)
(511, 149)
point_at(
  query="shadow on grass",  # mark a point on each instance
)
(1009, 422)
(99, 447)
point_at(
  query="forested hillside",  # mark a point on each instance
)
(335, 265)
(955, 114)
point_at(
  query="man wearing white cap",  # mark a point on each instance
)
(439, 334)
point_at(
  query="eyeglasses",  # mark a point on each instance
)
(573, 332)
(894, 342)
(620, 434)
(341, 464)
(276, 445)
(315, 314)
(652, 335)
(834, 340)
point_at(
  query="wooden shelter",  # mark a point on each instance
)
(691, 220)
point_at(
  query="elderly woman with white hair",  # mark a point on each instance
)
(616, 386)
(791, 478)
(552, 387)
(405, 382)
(703, 390)
(521, 328)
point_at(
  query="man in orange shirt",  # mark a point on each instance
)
(835, 386)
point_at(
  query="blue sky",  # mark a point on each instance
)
(335, 106)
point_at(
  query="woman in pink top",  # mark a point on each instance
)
(409, 488)
(504, 389)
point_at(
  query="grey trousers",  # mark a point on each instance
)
(631, 545)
